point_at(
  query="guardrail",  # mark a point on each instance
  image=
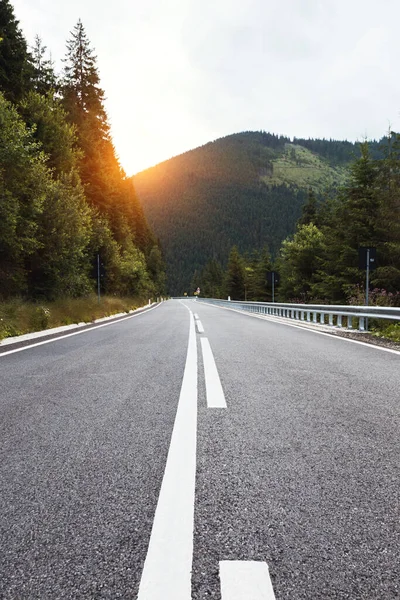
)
(329, 314)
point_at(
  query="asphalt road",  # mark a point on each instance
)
(301, 470)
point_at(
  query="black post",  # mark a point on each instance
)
(98, 277)
(273, 286)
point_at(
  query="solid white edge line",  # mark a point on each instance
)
(199, 326)
(245, 580)
(168, 565)
(67, 335)
(305, 328)
(214, 392)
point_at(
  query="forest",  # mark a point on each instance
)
(66, 206)
(219, 218)
(245, 190)
(320, 261)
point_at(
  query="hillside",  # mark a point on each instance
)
(245, 189)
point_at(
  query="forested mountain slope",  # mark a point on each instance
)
(246, 189)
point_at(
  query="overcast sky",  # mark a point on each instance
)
(179, 73)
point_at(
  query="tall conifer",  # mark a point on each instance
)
(44, 79)
(15, 62)
(235, 276)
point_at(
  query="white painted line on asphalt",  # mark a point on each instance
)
(245, 580)
(214, 392)
(304, 328)
(196, 316)
(199, 326)
(168, 565)
(67, 335)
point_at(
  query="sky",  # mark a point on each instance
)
(180, 73)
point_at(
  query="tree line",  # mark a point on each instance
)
(320, 262)
(65, 199)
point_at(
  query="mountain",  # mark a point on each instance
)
(245, 189)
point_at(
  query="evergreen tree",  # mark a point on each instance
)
(211, 280)
(44, 79)
(83, 100)
(256, 269)
(235, 276)
(22, 188)
(48, 122)
(353, 223)
(16, 69)
(309, 210)
(106, 185)
(387, 275)
(298, 263)
(60, 265)
(45, 223)
(107, 189)
(156, 268)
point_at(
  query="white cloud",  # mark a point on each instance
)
(178, 73)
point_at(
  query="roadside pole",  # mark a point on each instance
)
(367, 288)
(98, 277)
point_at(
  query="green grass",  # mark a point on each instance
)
(387, 330)
(302, 168)
(18, 317)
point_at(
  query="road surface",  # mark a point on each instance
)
(194, 452)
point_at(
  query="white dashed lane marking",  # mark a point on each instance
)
(199, 326)
(245, 580)
(214, 392)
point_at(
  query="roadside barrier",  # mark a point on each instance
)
(356, 317)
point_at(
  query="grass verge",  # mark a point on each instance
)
(18, 317)
(387, 330)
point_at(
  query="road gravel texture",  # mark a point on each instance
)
(85, 430)
(301, 470)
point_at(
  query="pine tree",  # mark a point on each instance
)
(45, 224)
(83, 97)
(309, 210)
(23, 179)
(261, 265)
(48, 122)
(211, 280)
(109, 192)
(235, 276)
(387, 275)
(44, 79)
(299, 262)
(353, 223)
(16, 69)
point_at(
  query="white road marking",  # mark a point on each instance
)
(305, 328)
(168, 565)
(245, 580)
(67, 335)
(196, 316)
(199, 326)
(214, 391)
